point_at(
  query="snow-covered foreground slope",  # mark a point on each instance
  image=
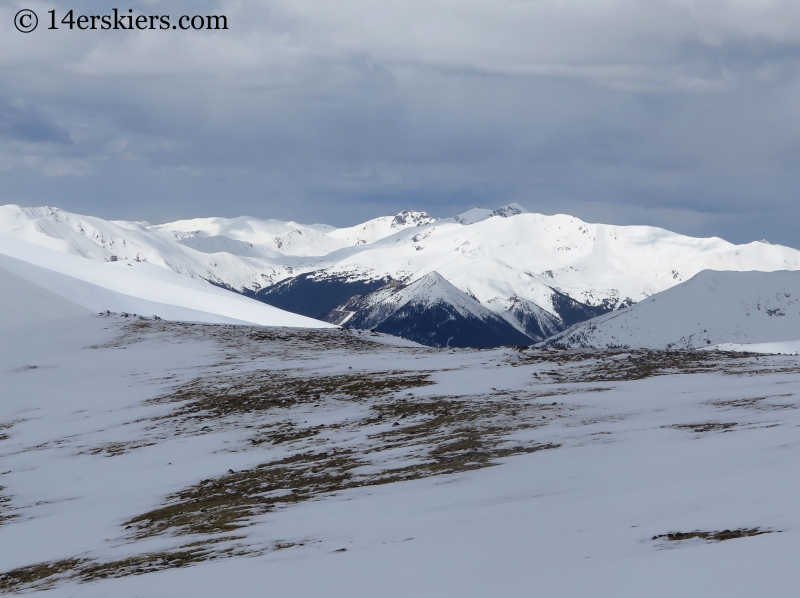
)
(709, 309)
(147, 458)
(125, 287)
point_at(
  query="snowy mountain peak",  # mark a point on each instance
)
(431, 311)
(431, 288)
(408, 218)
(434, 289)
(379, 228)
(512, 209)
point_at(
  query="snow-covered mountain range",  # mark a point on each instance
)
(538, 274)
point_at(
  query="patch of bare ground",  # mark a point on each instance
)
(756, 403)
(3, 427)
(285, 432)
(222, 504)
(42, 576)
(439, 436)
(256, 341)
(114, 449)
(705, 427)
(424, 437)
(719, 536)
(6, 514)
(218, 397)
(613, 365)
(226, 503)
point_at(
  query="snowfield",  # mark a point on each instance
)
(141, 457)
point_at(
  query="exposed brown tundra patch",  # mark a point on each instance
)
(720, 536)
(706, 427)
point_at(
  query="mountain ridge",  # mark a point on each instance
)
(541, 274)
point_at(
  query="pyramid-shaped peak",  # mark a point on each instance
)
(434, 287)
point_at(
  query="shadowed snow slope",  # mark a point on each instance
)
(709, 309)
(23, 303)
(123, 287)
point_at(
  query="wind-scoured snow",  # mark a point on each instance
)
(709, 309)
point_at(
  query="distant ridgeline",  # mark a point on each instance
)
(480, 279)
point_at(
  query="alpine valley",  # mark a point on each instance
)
(485, 278)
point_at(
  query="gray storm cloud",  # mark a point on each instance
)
(681, 114)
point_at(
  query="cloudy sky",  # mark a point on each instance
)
(678, 113)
